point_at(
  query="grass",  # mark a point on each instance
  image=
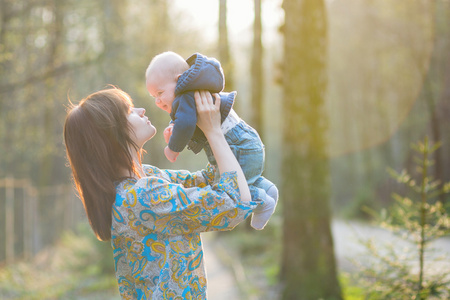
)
(350, 290)
(78, 267)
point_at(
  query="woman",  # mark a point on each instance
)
(153, 217)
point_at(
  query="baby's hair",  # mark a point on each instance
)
(168, 63)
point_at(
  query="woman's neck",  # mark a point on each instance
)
(137, 163)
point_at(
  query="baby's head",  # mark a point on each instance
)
(161, 78)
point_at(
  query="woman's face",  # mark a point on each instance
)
(143, 130)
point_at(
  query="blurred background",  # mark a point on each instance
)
(388, 86)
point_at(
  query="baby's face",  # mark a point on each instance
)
(162, 88)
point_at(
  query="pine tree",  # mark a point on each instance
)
(399, 271)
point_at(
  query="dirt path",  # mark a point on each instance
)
(221, 282)
(347, 246)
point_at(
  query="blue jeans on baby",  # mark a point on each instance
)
(248, 148)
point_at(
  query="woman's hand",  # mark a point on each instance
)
(208, 113)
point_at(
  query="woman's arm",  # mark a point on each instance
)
(172, 209)
(209, 122)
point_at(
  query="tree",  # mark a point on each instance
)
(257, 75)
(53, 58)
(32, 65)
(224, 47)
(401, 269)
(308, 263)
(114, 46)
(163, 38)
(435, 89)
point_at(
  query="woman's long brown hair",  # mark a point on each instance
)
(98, 145)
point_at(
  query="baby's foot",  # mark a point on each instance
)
(262, 213)
(273, 192)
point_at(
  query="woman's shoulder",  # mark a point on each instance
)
(150, 170)
(129, 190)
(152, 175)
(173, 176)
(128, 184)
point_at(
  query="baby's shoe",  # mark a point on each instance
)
(262, 213)
(273, 192)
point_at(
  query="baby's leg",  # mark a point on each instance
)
(248, 148)
(264, 211)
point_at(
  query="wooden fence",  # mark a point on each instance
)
(32, 219)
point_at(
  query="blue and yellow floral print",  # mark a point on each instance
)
(156, 228)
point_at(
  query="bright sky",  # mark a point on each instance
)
(204, 13)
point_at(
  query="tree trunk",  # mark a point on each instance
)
(113, 41)
(161, 40)
(308, 265)
(224, 47)
(440, 113)
(434, 89)
(52, 60)
(257, 72)
(4, 67)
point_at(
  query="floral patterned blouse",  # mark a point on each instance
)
(156, 228)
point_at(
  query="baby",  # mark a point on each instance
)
(171, 80)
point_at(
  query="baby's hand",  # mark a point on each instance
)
(171, 155)
(168, 133)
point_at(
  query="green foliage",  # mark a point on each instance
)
(400, 270)
(350, 289)
(74, 269)
(92, 256)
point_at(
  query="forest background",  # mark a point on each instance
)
(388, 74)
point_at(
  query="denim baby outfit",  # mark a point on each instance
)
(248, 148)
(206, 74)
